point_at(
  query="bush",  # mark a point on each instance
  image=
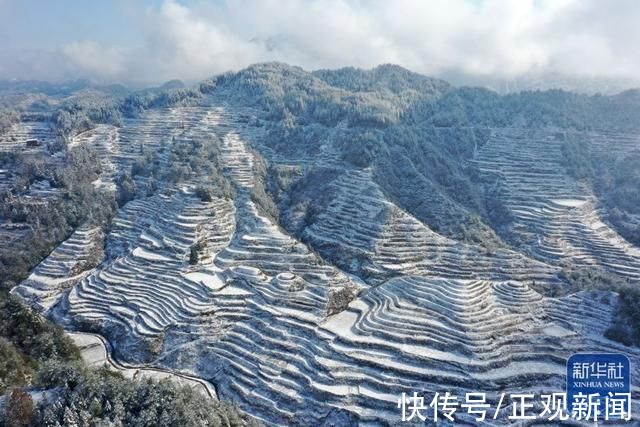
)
(126, 188)
(18, 409)
(204, 193)
(194, 252)
(626, 326)
(15, 369)
(339, 299)
(586, 279)
(259, 192)
(577, 158)
(55, 374)
(7, 119)
(620, 333)
(193, 255)
(33, 335)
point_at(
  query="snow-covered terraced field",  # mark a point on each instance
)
(360, 221)
(15, 138)
(10, 232)
(282, 270)
(118, 147)
(104, 141)
(611, 142)
(146, 284)
(5, 180)
(63, 268)
(415, 333)
(238, 162)
(408, 334)
(555, 217)
(370, 302)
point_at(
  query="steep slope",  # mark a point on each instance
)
(359, 221)
(555, 217)
(381, 270)
(63, 268)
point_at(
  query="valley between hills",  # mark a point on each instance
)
(311, 245)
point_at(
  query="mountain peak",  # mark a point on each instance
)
(386, 76)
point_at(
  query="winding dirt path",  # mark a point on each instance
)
(96, 351)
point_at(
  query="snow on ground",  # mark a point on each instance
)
(253, 315)
(94, 353)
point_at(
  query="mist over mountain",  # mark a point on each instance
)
(590, 85)
(504, 45)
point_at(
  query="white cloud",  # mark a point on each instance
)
(91, 57)
(500, 38)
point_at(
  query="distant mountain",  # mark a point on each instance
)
(173, 84)
(390, 77)
(13, 87)
(537, 81)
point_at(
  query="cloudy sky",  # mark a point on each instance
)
(150, 41)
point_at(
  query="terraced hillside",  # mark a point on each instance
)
(325, 312)
(15, 139)
(556, 217)
(25, 139)
(360, 221)
(64, 267)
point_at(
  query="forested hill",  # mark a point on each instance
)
(219, 229)
(389, 93)
(416, 133)
(393, 119)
